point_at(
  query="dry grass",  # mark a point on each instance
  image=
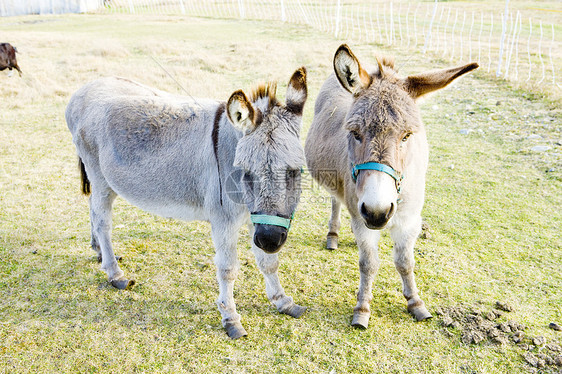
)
(494, 216)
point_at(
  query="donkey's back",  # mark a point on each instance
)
(135, 140)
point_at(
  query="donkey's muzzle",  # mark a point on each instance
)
(377, 219)
(270, 238)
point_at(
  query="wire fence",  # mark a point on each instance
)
(506, 42)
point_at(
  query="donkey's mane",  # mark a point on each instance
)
(265, 90)
(387, 61)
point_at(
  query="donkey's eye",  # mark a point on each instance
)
(356, 135)
(247, 176)
(405, 138)
(293, 173)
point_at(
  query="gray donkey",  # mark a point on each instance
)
(195, 159)
(367, 132)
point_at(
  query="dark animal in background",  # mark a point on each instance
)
(8, 57)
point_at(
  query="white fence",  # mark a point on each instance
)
(505, 41)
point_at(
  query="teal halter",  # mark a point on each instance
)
(378, 167)
(266, 219)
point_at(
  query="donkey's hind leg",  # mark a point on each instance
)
(404, 237)
(101, 201)
(268, 265)
(95, 244)
(225, 238)
(334, 225)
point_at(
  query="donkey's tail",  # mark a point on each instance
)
(84, 181)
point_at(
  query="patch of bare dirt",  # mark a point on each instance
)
(478, 325)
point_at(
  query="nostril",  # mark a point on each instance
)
(364, 210)
(390, 211)
(283, 237)
(257, 241)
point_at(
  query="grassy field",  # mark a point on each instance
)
(492, 205)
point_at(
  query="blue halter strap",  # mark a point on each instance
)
(378, 167)
(266, 219)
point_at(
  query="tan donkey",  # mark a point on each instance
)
(367, 132)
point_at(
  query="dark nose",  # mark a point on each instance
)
(376, 219)
(270, 238)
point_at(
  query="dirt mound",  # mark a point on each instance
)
(492, 326)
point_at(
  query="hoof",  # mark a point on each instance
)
(360, 320)
(122, 283)
(332, 243)
(295, 311)
(421, 314)
(417, 309)
(234, 330)
(117, 258)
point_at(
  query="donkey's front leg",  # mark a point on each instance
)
(404, 236)
(367, 243)
(225, 238)
(268, 265)
(334, 225)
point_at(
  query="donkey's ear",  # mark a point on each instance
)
(241, 112)
(297, 91)
(349, 71)
(421, 84)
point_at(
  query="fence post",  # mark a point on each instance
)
(490, 42)
(504, 29)
(510, 53)
(131, 7)
(304, 15)
(241, 8)
(550, 55)
(338, 18)
(517, 47)
(428, 36)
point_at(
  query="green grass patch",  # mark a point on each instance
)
(492, 204)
